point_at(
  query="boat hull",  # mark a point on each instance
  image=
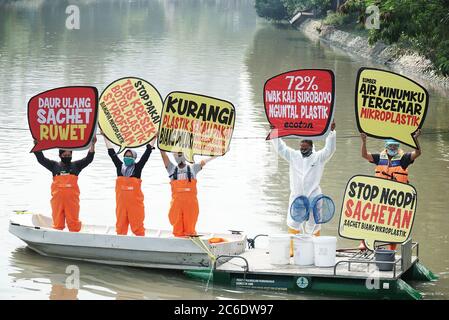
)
(151, 252)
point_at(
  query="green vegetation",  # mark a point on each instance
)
(320, 6)
(337, 19)
(422, 25)
(271, 9)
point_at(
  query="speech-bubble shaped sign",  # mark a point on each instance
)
(196, 124)
(376, 209)
(63, 118)
(300, 103)
(389, 105)
(130, 112)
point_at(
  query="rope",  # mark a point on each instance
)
(200, 244)
(250, 138)
(22, 212)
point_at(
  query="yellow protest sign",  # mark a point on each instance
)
(376, 209)
(196, 124)
(389, 105)
(130, 112)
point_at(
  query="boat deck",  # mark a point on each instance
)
(257, 261)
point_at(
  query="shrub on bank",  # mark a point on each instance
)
(337, 19)
(425, 21)
(271, 9)
(422, 25)
(320, 7)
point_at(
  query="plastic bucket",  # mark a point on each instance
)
(325, 251)
(304, 252)
(384, 255)
(279, 248)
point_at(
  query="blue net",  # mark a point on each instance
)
(300, 209)
(323, 208)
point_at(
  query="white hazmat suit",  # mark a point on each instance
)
(305, 175)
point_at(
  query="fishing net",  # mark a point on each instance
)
(300, 209)
(323, 208)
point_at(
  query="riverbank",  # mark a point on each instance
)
(402, 61)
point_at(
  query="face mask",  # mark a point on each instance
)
(392, 153)
(180, 159)
(66, 160)
(306, 153)
(128, 161)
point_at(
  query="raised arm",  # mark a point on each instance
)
(365, 154)
(205, 161)
(111, 152)
(109, 144)
(282, 149)
(165, 158)
(92, 144)
(417, 152)
(146, 155)
(331, 145)
(47, 163)
(81, 164)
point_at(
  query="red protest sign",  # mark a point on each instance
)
(63, 117)
(300, 103)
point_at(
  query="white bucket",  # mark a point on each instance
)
(304, 252)
(279, 248)
(325, 251)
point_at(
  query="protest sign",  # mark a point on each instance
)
(389, 105)
(63, 118)
(196, 124)
(130, 112)
(300, 103)
(376, 209)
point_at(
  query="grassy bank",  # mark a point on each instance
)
(420, 26)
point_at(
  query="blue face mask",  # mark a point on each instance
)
(129, 161)
(392, 153)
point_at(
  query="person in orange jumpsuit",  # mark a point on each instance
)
(130, 208)
(392, 163)
(184, 208)
(65, 201)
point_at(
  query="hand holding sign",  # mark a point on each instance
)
(376, 209)
(389, 105)
(196, 124)
(130, 112)
(63, 117)
(300, 103)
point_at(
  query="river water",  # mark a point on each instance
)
(215, 47)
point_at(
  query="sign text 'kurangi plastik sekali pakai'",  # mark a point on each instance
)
(195, 124)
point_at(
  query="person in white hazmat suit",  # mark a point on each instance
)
(306, 170)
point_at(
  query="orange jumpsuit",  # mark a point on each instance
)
(184, 209)
(65, 202)
(130, 209)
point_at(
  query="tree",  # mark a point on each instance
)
(320, 6)
(271, 9)
(422, 23)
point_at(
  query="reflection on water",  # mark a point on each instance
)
(214, 47)
(36, 274)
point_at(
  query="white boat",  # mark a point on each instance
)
(100, 244)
